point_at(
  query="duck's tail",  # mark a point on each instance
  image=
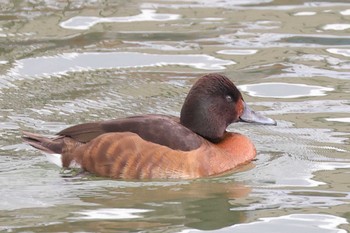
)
(48, 145)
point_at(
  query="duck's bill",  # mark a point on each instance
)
(251, 116)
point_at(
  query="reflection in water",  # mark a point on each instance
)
(202, 204)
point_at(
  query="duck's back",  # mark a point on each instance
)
(158, 129)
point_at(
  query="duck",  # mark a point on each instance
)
(154, 146)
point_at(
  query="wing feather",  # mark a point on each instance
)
(160, 129)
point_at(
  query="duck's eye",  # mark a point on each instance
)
(229, 98)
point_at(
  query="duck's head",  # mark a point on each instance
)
(214, 103)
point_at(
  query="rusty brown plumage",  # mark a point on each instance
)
(127, 156)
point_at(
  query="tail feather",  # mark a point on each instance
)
(48, 145)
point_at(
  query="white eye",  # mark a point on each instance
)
(229, 98)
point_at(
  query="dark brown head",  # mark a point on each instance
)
(212, 104)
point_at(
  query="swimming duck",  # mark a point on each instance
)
(159, 146)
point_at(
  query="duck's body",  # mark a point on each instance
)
(129, 155)
(157, 146)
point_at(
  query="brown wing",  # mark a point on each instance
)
(160, 129)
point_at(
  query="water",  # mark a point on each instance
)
(68, 62)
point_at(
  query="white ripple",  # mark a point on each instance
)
(110, 213)
(77, 62)
(345, 12)
(336, 26)
(284, 90)
(309, 223)
(343, 52)
(238, 51)
(305, 13)
(301, 70)
(340, 119)
(86, 22)
(301, 223)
